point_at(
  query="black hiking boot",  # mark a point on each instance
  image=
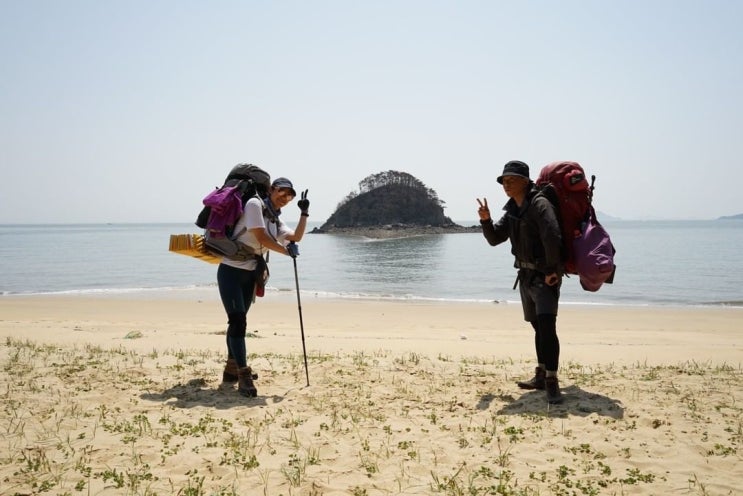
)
(536, 382)
(552, 387)
(245, 384)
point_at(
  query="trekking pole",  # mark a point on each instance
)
(301, 324)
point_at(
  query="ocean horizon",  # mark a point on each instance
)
(681, 263)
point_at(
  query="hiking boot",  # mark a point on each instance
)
(552, 387)
(229, 376)
(245, 384)
(536, 382)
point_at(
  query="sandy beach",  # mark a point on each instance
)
(122, 395)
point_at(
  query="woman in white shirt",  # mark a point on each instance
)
(260, 230)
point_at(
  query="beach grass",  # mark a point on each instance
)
(85, 419)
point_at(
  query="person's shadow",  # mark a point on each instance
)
(575, 402)
(197, 392)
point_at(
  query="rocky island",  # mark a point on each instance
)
(391, 204)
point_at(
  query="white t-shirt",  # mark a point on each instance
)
(252, 218)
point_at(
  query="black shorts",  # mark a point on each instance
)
(537, 298)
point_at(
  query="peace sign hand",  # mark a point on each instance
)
(483, 211)
(303, 203)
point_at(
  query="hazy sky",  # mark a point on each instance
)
(131, 111)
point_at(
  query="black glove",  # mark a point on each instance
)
(304, 203)
(292, 249)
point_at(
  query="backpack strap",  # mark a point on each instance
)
(272, 216)
(268, 211)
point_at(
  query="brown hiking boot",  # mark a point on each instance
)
(245, 384)
(552, 387)
(536, 382)
(229, 376)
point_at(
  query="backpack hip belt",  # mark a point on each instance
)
(243, 254)
(525, 265)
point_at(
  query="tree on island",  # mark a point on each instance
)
(389, 198)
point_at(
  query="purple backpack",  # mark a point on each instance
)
(226, 208)
(594, 254)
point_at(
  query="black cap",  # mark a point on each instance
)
(514, 168)
(282, 182)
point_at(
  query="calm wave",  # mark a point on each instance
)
(659, 263)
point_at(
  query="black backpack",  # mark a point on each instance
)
(224, 206)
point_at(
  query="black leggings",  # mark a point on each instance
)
(546, 342)
(236, 287)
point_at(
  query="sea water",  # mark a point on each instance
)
(658, 263)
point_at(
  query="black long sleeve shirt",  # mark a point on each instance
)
(534, 232)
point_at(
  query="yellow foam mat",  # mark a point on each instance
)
(192, 245)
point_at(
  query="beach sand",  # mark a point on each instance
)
(122, 395)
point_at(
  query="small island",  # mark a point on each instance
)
(391, 204)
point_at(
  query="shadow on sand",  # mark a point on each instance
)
(576, 402)
(197, 392)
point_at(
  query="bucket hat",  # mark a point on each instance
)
(514, 168)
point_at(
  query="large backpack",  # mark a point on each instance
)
(587, 248)
(224, 206)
